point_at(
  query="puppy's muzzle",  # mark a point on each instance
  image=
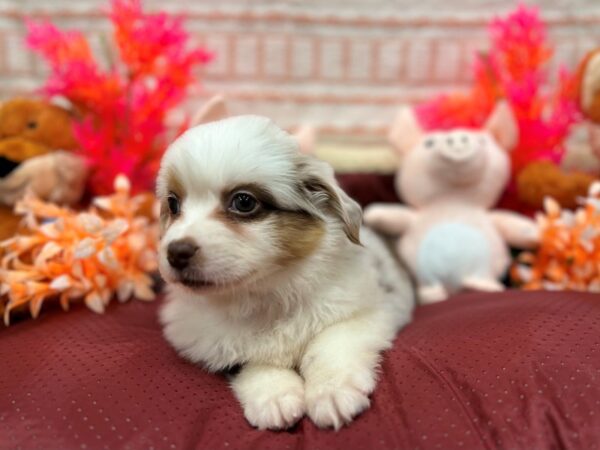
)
(180, 253)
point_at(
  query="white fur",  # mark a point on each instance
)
(308, 334)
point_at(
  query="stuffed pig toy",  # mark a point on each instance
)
(449, 180)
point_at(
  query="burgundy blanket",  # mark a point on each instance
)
(510, 370)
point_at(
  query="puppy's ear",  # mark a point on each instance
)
(213, 110)
(326, 197)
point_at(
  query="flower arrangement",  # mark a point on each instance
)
(93, 255)
(569, 253)
(514, 69)
(122, 107)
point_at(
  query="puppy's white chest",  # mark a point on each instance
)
(205, 335)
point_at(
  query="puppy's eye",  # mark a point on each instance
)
(243, 203)
(32, 125)
(174, 204)
(429, 143)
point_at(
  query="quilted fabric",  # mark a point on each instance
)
(515, 370)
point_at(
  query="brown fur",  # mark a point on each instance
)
(591, 111)
(28, 129)
(298, 234)
(335, 207)
(544, 179)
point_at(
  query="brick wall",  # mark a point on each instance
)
(343, 65)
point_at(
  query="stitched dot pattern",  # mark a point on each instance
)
(514, 370)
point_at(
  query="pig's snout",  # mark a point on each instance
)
(457, 152)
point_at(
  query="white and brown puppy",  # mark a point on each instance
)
(265, 269)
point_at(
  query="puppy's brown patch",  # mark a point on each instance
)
(334, 207)
(298, 234)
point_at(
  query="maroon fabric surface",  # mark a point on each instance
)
(510, 370)
(367, 188)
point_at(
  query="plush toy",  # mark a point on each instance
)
(542, 179)
(36, 140)
(589, 86)
(449, 180)
(545, 179)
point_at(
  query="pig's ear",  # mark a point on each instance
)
(502, 125)
(306, 137)
(405, 132)
(214, 109)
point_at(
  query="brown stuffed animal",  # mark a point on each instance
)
(541, 179)
(36, 140)
(544, 179)
(589, 96)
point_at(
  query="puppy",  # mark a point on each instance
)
(266, 270)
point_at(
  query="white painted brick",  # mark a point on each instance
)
(360, 60)
(335, 77)
(418, 60)
(18, 58)
(274, 56)
(447, 60)
(245, 55)
(331, 59)
(390, 60)
(302, 57)
(218, 44)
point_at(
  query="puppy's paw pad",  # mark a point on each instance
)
(333, 404)
(277, 412)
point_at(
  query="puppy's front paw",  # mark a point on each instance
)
(272, 398)
(276, 411)
(336, 401)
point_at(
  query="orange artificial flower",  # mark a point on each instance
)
(569, 253)
(93, 255)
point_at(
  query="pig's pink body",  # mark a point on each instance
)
(450, 180)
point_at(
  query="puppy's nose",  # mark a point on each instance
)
(180, 252)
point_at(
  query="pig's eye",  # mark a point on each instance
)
(429, 143)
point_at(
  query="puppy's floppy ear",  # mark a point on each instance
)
(326, 197)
